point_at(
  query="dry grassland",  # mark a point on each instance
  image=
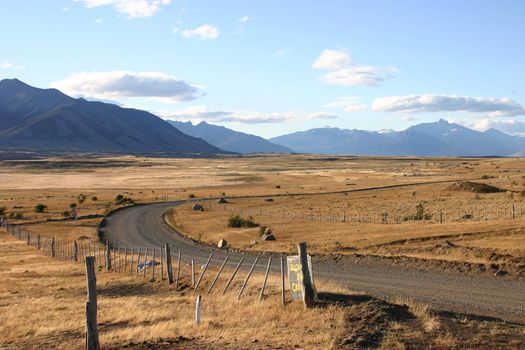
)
(145, 315)
(57, 182)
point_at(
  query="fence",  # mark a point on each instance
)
(510, 212)
(148, 263)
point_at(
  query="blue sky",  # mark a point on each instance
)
(273, 67)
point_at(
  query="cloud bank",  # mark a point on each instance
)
(345, 72)
(448, 103)
(115, 85)
(202, 113)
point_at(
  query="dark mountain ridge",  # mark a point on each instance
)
(48, 120)
(228, 139)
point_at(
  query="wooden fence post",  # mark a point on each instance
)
(38, 242)
(108, 256)
(233, 275)
(28, 238)
(169, 270)
(192, 272)
(138, 259)
(265, 278)
(308, 298)
(53, 252)
(203, 271)
(178, 273)
(144, 266)
(282, 281)
(218, 273)
(247, 277)
(75, 251)
(92, 341)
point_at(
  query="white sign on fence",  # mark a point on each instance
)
(295, 276)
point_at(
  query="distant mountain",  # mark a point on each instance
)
(229, 140)
(48, 120)
(428, 139)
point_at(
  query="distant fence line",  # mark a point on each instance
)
(436, 217)
(145, 262)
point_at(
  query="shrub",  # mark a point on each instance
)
(2, 211)
(73, 206)
(66, 213)
(94, 198)
(81, 198)
(278, 186)
(191, 195)
(238, 221)
(40, 208)
(121, 200)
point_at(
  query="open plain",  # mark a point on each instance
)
(412, 214)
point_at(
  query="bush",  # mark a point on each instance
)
(40, 208)
(94, 198)
(81, 198)
(73, 206)
(121, 200)
(66, 213)
(2, 211)
(238, 221)
(191, 195)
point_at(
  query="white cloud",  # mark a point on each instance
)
(130, 8)
(448, 103)
(282, 52)
(245, 19)
(203, 32)
(9, 65)
(98, 21)
(65, 9)
(174, 30)
(202, 113)
(116, 85)
(509, 126)
(348, 104)
(345, 73)
(332, 59)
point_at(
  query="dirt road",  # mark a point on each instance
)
(486, 296)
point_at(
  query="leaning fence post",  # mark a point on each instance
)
(203, 271)
(169, 270)
(218, 274)
(92, 341)
(265, 278)
(28, 238)
(38, 242)
(308, 295)
(233, 275)
(247, 278)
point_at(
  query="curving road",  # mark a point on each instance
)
(144, 225)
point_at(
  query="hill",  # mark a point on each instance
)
(228, 139)
(48, 120)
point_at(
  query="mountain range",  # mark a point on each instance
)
(229, 140)
(440, 138)
(48, 120)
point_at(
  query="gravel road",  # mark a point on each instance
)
(485, 296)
